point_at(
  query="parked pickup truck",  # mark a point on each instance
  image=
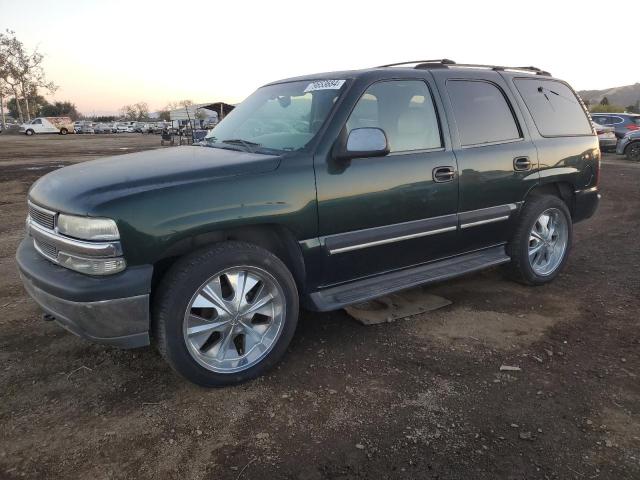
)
(323, 190)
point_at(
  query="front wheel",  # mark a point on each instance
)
(633, 152)
(63, 131)
(29, 132)
(540, 245)
(225, 314)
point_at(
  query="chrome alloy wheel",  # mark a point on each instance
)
(234, 319)
(548, 241)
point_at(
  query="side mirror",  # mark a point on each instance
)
(361, 143)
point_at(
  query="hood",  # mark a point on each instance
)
(81, 187)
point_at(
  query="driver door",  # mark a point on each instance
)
(384, 213)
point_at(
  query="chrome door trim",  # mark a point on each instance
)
(484, 222)
(483, 216)
(397, 232)
(391, 240)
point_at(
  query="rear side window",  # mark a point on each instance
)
(555, 109)
(481, 112)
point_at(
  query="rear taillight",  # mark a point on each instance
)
(633, 127)
(599, 132)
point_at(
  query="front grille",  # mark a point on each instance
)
(42, 217)
(46, 249)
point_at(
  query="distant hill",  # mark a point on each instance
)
(623, 96)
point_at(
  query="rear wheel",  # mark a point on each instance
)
(540, 246)
(63, 131)
(633, 152)
(225, 314)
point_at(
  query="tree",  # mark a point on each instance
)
(35, 103)
(138, 111)
(599, 108)
(59, 109)
(604, 101)
(635, 108)
(104, 118)
(164, 115)
(22, 74)
(142, 109)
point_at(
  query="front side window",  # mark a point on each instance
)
(404, 110)
(555, 109)
(278, 118)
(481, 112)
(37, 121)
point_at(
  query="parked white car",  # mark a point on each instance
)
(60, 125)
(121, 127)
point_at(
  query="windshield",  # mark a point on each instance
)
(281, 117)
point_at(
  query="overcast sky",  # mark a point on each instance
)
(105, 54)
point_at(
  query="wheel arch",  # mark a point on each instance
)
(629, 145)
(275, 238)
(563, 190)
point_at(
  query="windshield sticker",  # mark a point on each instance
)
(324, 85)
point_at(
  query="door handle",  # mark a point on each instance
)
(521, 164)
(443, 174)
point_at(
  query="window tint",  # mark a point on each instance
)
(404, 110)
(600, 119)
(554, 107)
(481, 113)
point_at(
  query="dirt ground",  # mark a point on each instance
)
(419, 398)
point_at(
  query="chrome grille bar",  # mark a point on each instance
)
(43, 217)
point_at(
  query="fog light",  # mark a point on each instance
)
(92, 266)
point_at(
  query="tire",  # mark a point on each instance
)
(633, 152)
(529, 251)
(201, 357)
(29, 132)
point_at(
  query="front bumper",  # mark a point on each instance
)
(112, 309)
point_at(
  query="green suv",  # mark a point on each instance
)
(323, 190)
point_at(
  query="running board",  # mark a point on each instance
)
(333, 298)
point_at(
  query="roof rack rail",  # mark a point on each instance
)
(439, 61)
(446, 63)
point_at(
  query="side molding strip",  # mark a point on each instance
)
(391, 240)
(482, 216)
(397, 232)
(371, 237)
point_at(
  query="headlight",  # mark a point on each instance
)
(92, 266)
(87, 228)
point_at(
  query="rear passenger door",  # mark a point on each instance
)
(497, 160)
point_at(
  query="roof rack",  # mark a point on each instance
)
(443, 62)
(446, 63)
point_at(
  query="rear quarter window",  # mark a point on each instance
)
(555, 108)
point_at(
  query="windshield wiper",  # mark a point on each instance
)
(250, 146)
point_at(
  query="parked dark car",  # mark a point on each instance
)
(325, 190)
(623, 123)
(629, 146)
